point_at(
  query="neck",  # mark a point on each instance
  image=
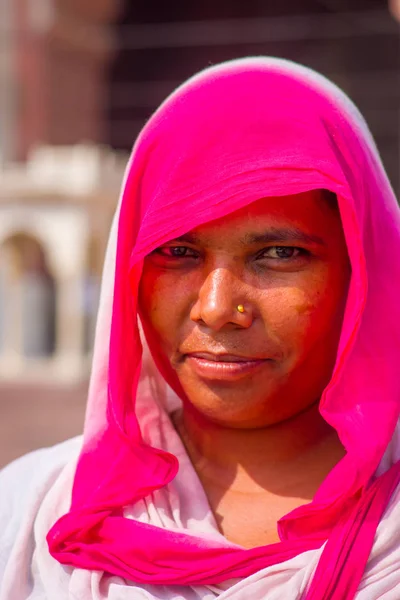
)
(273, 457)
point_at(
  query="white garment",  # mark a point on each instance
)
(36, 491)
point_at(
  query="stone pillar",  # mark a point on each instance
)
(67, 241)
(13, 323)
(7, 82)
(11, 305)
(62, 52)
(70, 326)
(38, 315)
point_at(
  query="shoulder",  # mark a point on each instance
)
(32, 470)
(23, 484)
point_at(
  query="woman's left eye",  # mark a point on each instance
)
(281, 252)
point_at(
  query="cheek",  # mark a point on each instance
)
(299, 315)
(288, 312)
(161, 305)
(153, 309)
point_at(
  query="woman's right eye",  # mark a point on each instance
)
(176, 251)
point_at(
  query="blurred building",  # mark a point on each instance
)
(55, 214)
(54, 72)
(78, 79)
(355, 43)
(58, 183)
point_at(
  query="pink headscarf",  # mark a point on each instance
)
(233, 134)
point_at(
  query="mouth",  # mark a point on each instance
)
(223, 367)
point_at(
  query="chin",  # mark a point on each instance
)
(228, 412)
(242, 409)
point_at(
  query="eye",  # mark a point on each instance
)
(282, 252)
(175, 251)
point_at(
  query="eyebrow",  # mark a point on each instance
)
(283, 234)
(273, 235)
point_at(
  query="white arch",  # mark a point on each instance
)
(62, 231)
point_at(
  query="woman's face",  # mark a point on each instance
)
(285, 261)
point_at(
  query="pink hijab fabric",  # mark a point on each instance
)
(237, 132)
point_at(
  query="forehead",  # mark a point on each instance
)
(312, 212)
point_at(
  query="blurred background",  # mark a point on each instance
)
(78, 79)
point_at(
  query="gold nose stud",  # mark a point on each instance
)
(240, 308)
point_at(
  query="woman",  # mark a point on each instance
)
(248, 334)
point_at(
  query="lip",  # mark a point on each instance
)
(223, 367)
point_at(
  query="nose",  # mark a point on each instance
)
(219, 297)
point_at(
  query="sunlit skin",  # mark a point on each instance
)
(252, 380)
